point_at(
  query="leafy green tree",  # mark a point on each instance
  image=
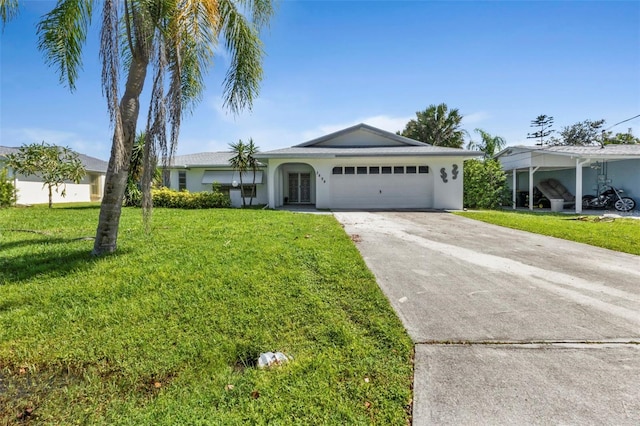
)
(244, 160)
(544, 124)
(484, 184)
(584, 133)
(55, 165)
(176, 40)
(436, 125)
(8, 193)
(489, 145)
(621, 139)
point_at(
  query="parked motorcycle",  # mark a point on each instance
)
(609, 197)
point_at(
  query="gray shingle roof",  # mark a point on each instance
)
(365, 127)
(91, 164)
(332, 152)
(208, 159)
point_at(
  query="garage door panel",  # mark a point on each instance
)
(381, 191)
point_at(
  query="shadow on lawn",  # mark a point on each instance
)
(48, 264)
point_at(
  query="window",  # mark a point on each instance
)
(386, 170)
(374, 170)
(411, 169)
(423, 169)
(182, 180)
(349, 170)
(249, 191)
(398, 170)
(337, 170)
(362, 170)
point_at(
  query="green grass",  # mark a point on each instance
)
(615, 234)
(156, 333)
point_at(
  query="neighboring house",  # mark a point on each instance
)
(31, 189)
(581, 169)
(198, 172)
(358, 167)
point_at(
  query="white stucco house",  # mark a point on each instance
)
(581, 169)
(360, 167)
(31, 189)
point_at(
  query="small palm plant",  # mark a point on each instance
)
(253, 164)
(239, 163)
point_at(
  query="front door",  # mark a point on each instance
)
(299, 188)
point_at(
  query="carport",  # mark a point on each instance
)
(582, 169)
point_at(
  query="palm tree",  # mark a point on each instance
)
(490, 145)
(176, 39)
(240, 163)
(438, 126)
(252, 164)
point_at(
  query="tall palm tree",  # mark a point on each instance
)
(173, 38)
(438, 126)
(489, 145)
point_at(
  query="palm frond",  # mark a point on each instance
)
(110, 54)
(62, 33)
(8, 10)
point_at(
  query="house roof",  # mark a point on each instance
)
(617, 151)
(365, 127)
(202, 159)
(91, 164)
(367, 141)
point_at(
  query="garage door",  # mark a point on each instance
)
(369, 187)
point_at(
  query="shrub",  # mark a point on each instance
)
(484, 184)
(165, 197)
(7, 190)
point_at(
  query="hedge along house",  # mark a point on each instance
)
(198, 172)
(363, 167)
(31, 189)
(581, 169)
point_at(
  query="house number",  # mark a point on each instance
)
(454, 171)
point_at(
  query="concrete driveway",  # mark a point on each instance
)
(510, 327)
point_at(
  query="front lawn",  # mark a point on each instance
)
(614, 234)
(169, 329)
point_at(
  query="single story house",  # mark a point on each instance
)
(199, 172)
(358, 167)
(581, 169)
(31, 189)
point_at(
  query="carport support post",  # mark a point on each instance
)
(532, 170)
(579, 164)
(513, 186)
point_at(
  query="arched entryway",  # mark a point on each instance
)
(295, 184)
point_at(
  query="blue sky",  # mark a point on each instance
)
(332, 64)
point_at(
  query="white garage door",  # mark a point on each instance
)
(381, 187)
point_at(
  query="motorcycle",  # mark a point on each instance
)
(609, 197)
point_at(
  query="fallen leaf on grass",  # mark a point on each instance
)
(367, 405)
(366, 380)
(229, 387)
(255, 394)
(157, 385)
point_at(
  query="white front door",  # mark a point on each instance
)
(299, 188)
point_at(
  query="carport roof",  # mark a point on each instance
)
(617, 151)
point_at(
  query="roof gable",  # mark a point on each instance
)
(361, 136)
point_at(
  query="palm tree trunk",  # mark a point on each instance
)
(123, 140)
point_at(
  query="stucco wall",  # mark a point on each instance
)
(31, 190)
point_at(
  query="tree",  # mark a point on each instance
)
(176, 39)
(8, 192)
(489, 145)
(133, 193)
(621, 139)
(484, 184)
(437, 126)
(583, 133)
(544, 124)
(242, 161)
(55, 165)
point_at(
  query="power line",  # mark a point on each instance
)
(623, 121)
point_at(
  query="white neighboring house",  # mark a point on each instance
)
(198, 172)
(360, 167)
(31, 189)
(581, 169)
